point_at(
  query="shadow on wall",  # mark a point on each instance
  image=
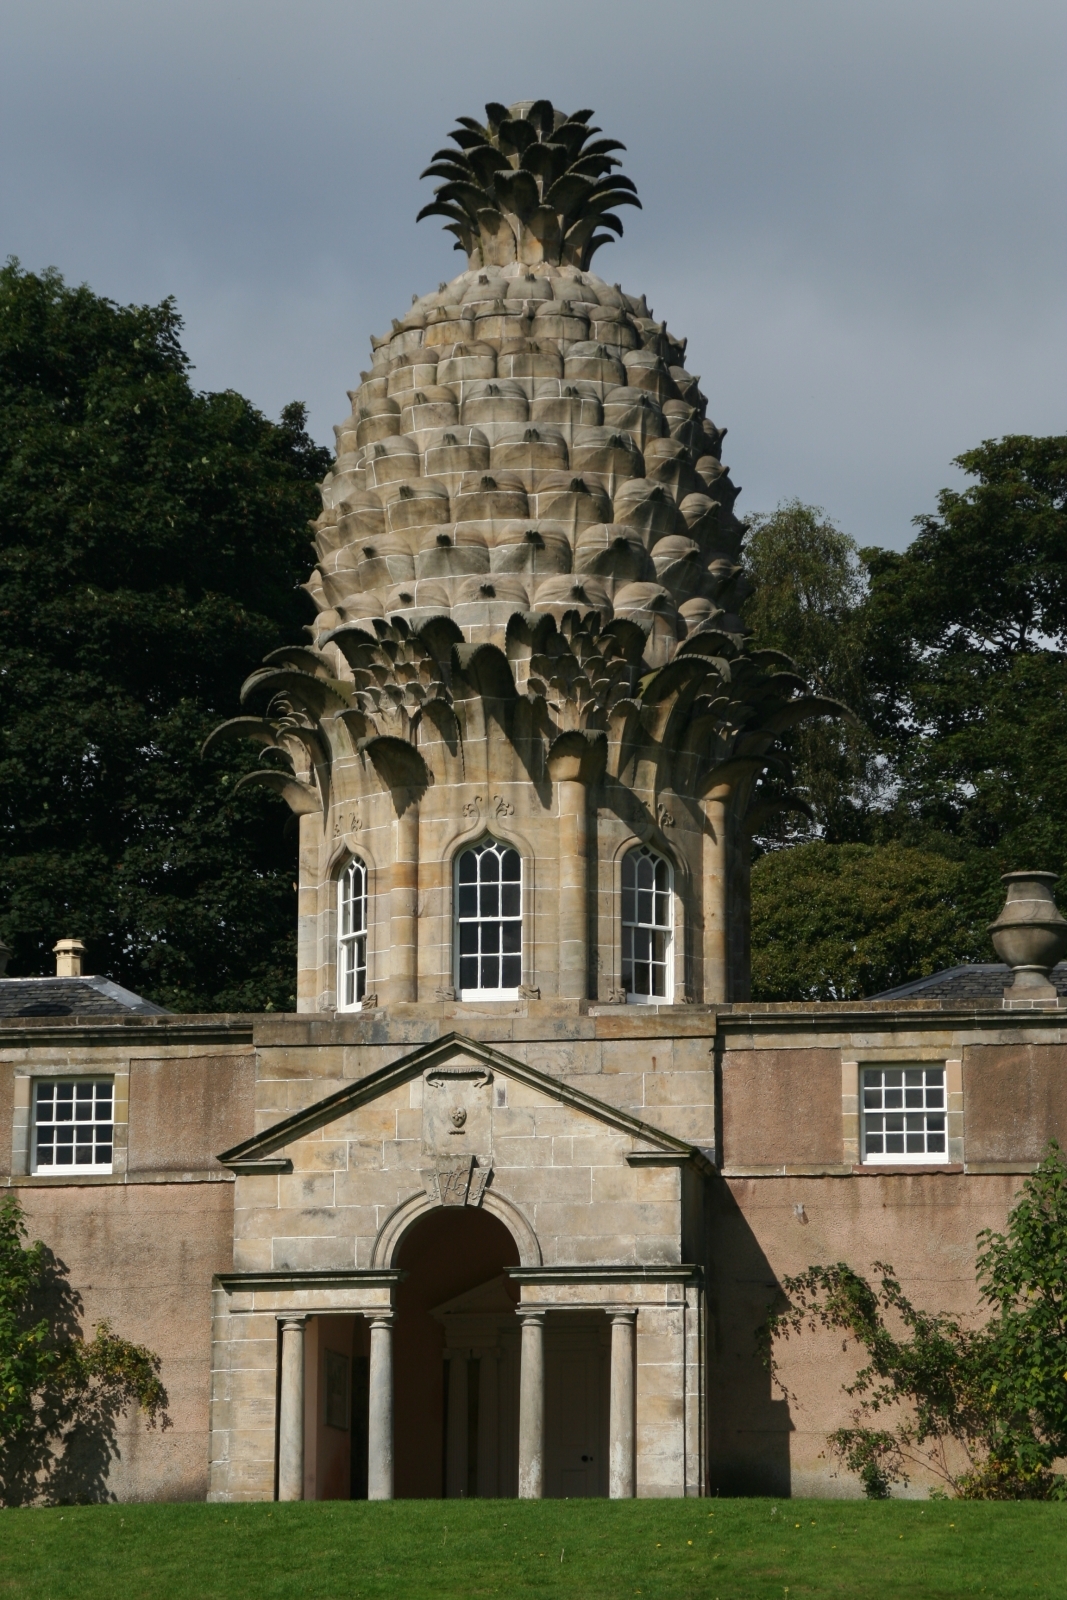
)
(63, 1454)
(748, 1428)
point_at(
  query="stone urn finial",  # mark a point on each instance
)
(1030, 934)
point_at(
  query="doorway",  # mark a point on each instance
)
(453, 1429)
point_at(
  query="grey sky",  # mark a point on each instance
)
(853, 210)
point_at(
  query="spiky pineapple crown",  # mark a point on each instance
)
(531, 185)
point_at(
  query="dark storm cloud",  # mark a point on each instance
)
(853, 211)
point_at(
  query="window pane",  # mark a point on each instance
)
(509, 900)
(489, 900)
(511, 972)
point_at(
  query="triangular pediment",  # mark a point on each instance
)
(457, 1058)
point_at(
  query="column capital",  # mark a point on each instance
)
(622, 1314)
(534, 1314)
(293, 1320)
(380, 1319)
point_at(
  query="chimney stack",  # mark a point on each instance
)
(68, 954)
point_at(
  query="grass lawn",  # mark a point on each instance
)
(658, 1549)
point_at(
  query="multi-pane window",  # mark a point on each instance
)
(904, 1114)
(646, 926)
(352, 936)
(73, 1125)
(489, 921)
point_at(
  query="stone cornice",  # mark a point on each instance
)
(35, 1032)
(326, 1278)
(683, 1272)
(908, 1016)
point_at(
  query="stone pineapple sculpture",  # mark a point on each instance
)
(528, 583)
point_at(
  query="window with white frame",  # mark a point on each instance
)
(352, 936)
(904, 1114)
(647, 927)
(73, 1125)
(489, 922)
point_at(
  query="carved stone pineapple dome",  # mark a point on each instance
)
(527, 438)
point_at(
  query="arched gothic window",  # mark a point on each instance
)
(647, 927)
(489, 922)
(352, 936)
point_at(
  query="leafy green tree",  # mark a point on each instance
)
(967, 671)
(837, 922)
(983, 1408)
(954, 655)
(60, 1394)
(152, 544)
(808, 601)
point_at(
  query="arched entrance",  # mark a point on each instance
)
(455, 1419)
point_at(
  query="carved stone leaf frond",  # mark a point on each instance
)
(531, 185)
(301, 798)
(259, 729)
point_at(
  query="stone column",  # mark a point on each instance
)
(532, 1406)
(404, 904)
(573, 889)
(716, 903)
(291, 1411)
(621, 1424)
(380, 1420)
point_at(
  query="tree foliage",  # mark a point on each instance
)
(953, 654)
(807, 600)
(982, 1408)
(840, 921)
(152, 540)
(60, 1394)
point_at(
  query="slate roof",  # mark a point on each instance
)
(72, 997)
(980, 983)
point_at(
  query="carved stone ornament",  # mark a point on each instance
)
(456, 1183)
(1030, 934)
(478, 1077)
(456, 1114)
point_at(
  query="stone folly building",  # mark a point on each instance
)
(500, 1209)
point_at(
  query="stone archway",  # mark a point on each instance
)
(449, 1255)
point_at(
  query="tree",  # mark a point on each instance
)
(152, 544)
(837, 922)
(984, 1409)
(60, 1394)
(808, 601)
(967, 671)
(954, 654)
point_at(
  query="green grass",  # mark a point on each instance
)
(658, 1549)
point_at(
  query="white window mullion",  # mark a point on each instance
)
(647, 927)
(73, 1125)
(489, 922)
(904, 1115)
(352, 936)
